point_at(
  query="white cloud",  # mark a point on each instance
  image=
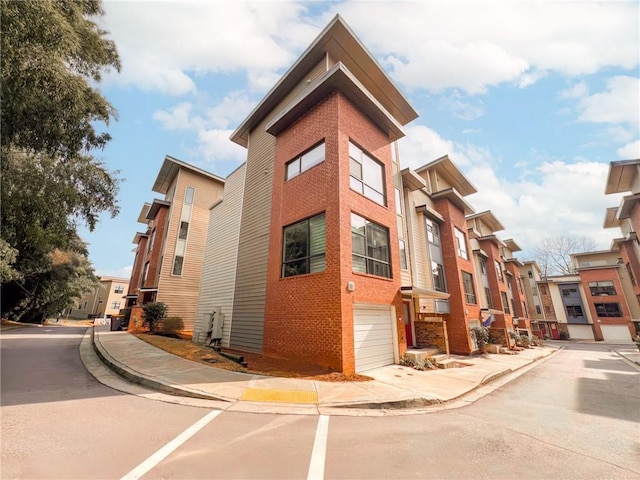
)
(620, 103)
(630, 150)
(577, 90)
(462, 109)
(124, 272)
(553, 197)
(427, 44)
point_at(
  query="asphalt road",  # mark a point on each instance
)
(576, 415)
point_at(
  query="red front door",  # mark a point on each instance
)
(406, 306)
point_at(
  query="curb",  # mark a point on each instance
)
(140, 379)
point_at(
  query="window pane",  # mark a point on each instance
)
(355, 184)
(188, 195)
(373, 195)
(177, 265)
(297, 267)
(377, 242)
(184, 228)
(355, 169)
(293, 169)
(378, 268)
(358, 244)
(357, 224)
(317, 240)
(398, 202)
(355, 152)
(359, 264)
(295, 241)
(372, 174)
(312, 158)
(403, 255)
(317, 264)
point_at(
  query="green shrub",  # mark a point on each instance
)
(481, 335)
(152, 314)
(170, 326)
(564, 335)
(524, 340)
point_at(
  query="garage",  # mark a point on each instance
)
(616, 333)
(580, 332)
(373, 336)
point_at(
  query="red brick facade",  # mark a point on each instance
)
(460, 311)
(605, 274)
(310, 316)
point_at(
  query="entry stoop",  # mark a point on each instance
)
(442, 361)
(421, 354)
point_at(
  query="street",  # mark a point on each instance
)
(576, 415)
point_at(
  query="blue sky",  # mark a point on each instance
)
(531, 100)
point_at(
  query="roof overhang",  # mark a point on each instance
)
(170, 168)
(338, 78)
(142, 216)
(338, 43)
(627, 205)
(489, 219)
(512, 245)
(610, 218)
(454, 197)
(156, 205)
(493, 239)
(425, 293)
(622, 175)
(412, 180)
(446, 169)
(430, 212)
(138, 236)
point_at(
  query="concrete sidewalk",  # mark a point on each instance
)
(393, 386)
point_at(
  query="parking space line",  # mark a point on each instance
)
(319, 453)
(165, 451)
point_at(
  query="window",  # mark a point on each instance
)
(534, 291)
(403, 255)
(498, 270)
(567, 292)
(608, 309)
(433, 232)
(574, 311)
(184, 229)
(367, 175)
(469, 290)
(524, 309)
(177, 265)
(519, 282)
(370, 247)
(303, 249)
(437, 273)
(630, 272)
(398, 202)
(487, 294)
(483, 266)
(304, 162)
(602, 288)
(505, 303)
(530, 274)
(145, 273)
(118, 289)
(188, 195)
(538, 311)
(153, 237)
(84, 307)
(543, 290)
(461, 244)
(115, 305)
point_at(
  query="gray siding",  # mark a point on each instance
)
(253, 248)
(220, 257)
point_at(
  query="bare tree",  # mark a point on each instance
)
(553, 254)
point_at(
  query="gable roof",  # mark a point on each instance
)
(337, 42)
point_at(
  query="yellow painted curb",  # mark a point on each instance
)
(281, 396)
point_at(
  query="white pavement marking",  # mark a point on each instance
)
(319, 453)
(165, 451)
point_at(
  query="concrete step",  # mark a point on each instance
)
(421, 354)
(506, 351)
(446, 363)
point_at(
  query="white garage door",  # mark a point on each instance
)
(373, 336)
(616, 333)
(581, 332)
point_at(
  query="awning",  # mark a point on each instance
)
(418, 292)
(148, 289)
(131, 296)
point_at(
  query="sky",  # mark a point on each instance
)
(530, 99)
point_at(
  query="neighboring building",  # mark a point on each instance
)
(546, 322)
(103, 301)
(570, 306)
(624, 177)
(170, 251)
(521, 322)
(603, 275)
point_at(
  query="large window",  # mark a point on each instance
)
(505, 303)
(304, 162)
(487, 293)
(433, 232)
(177, 265)
(370, 247)
(303, 249)
(574, 311)
(403, 255)
(461, 244)
(435, 254)
(115, 305)
(437, 274)
(498, 270)
(367, 175)
(608, 310)
(602, 288)
(119, 289)
(469, 289)
(184, 229)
